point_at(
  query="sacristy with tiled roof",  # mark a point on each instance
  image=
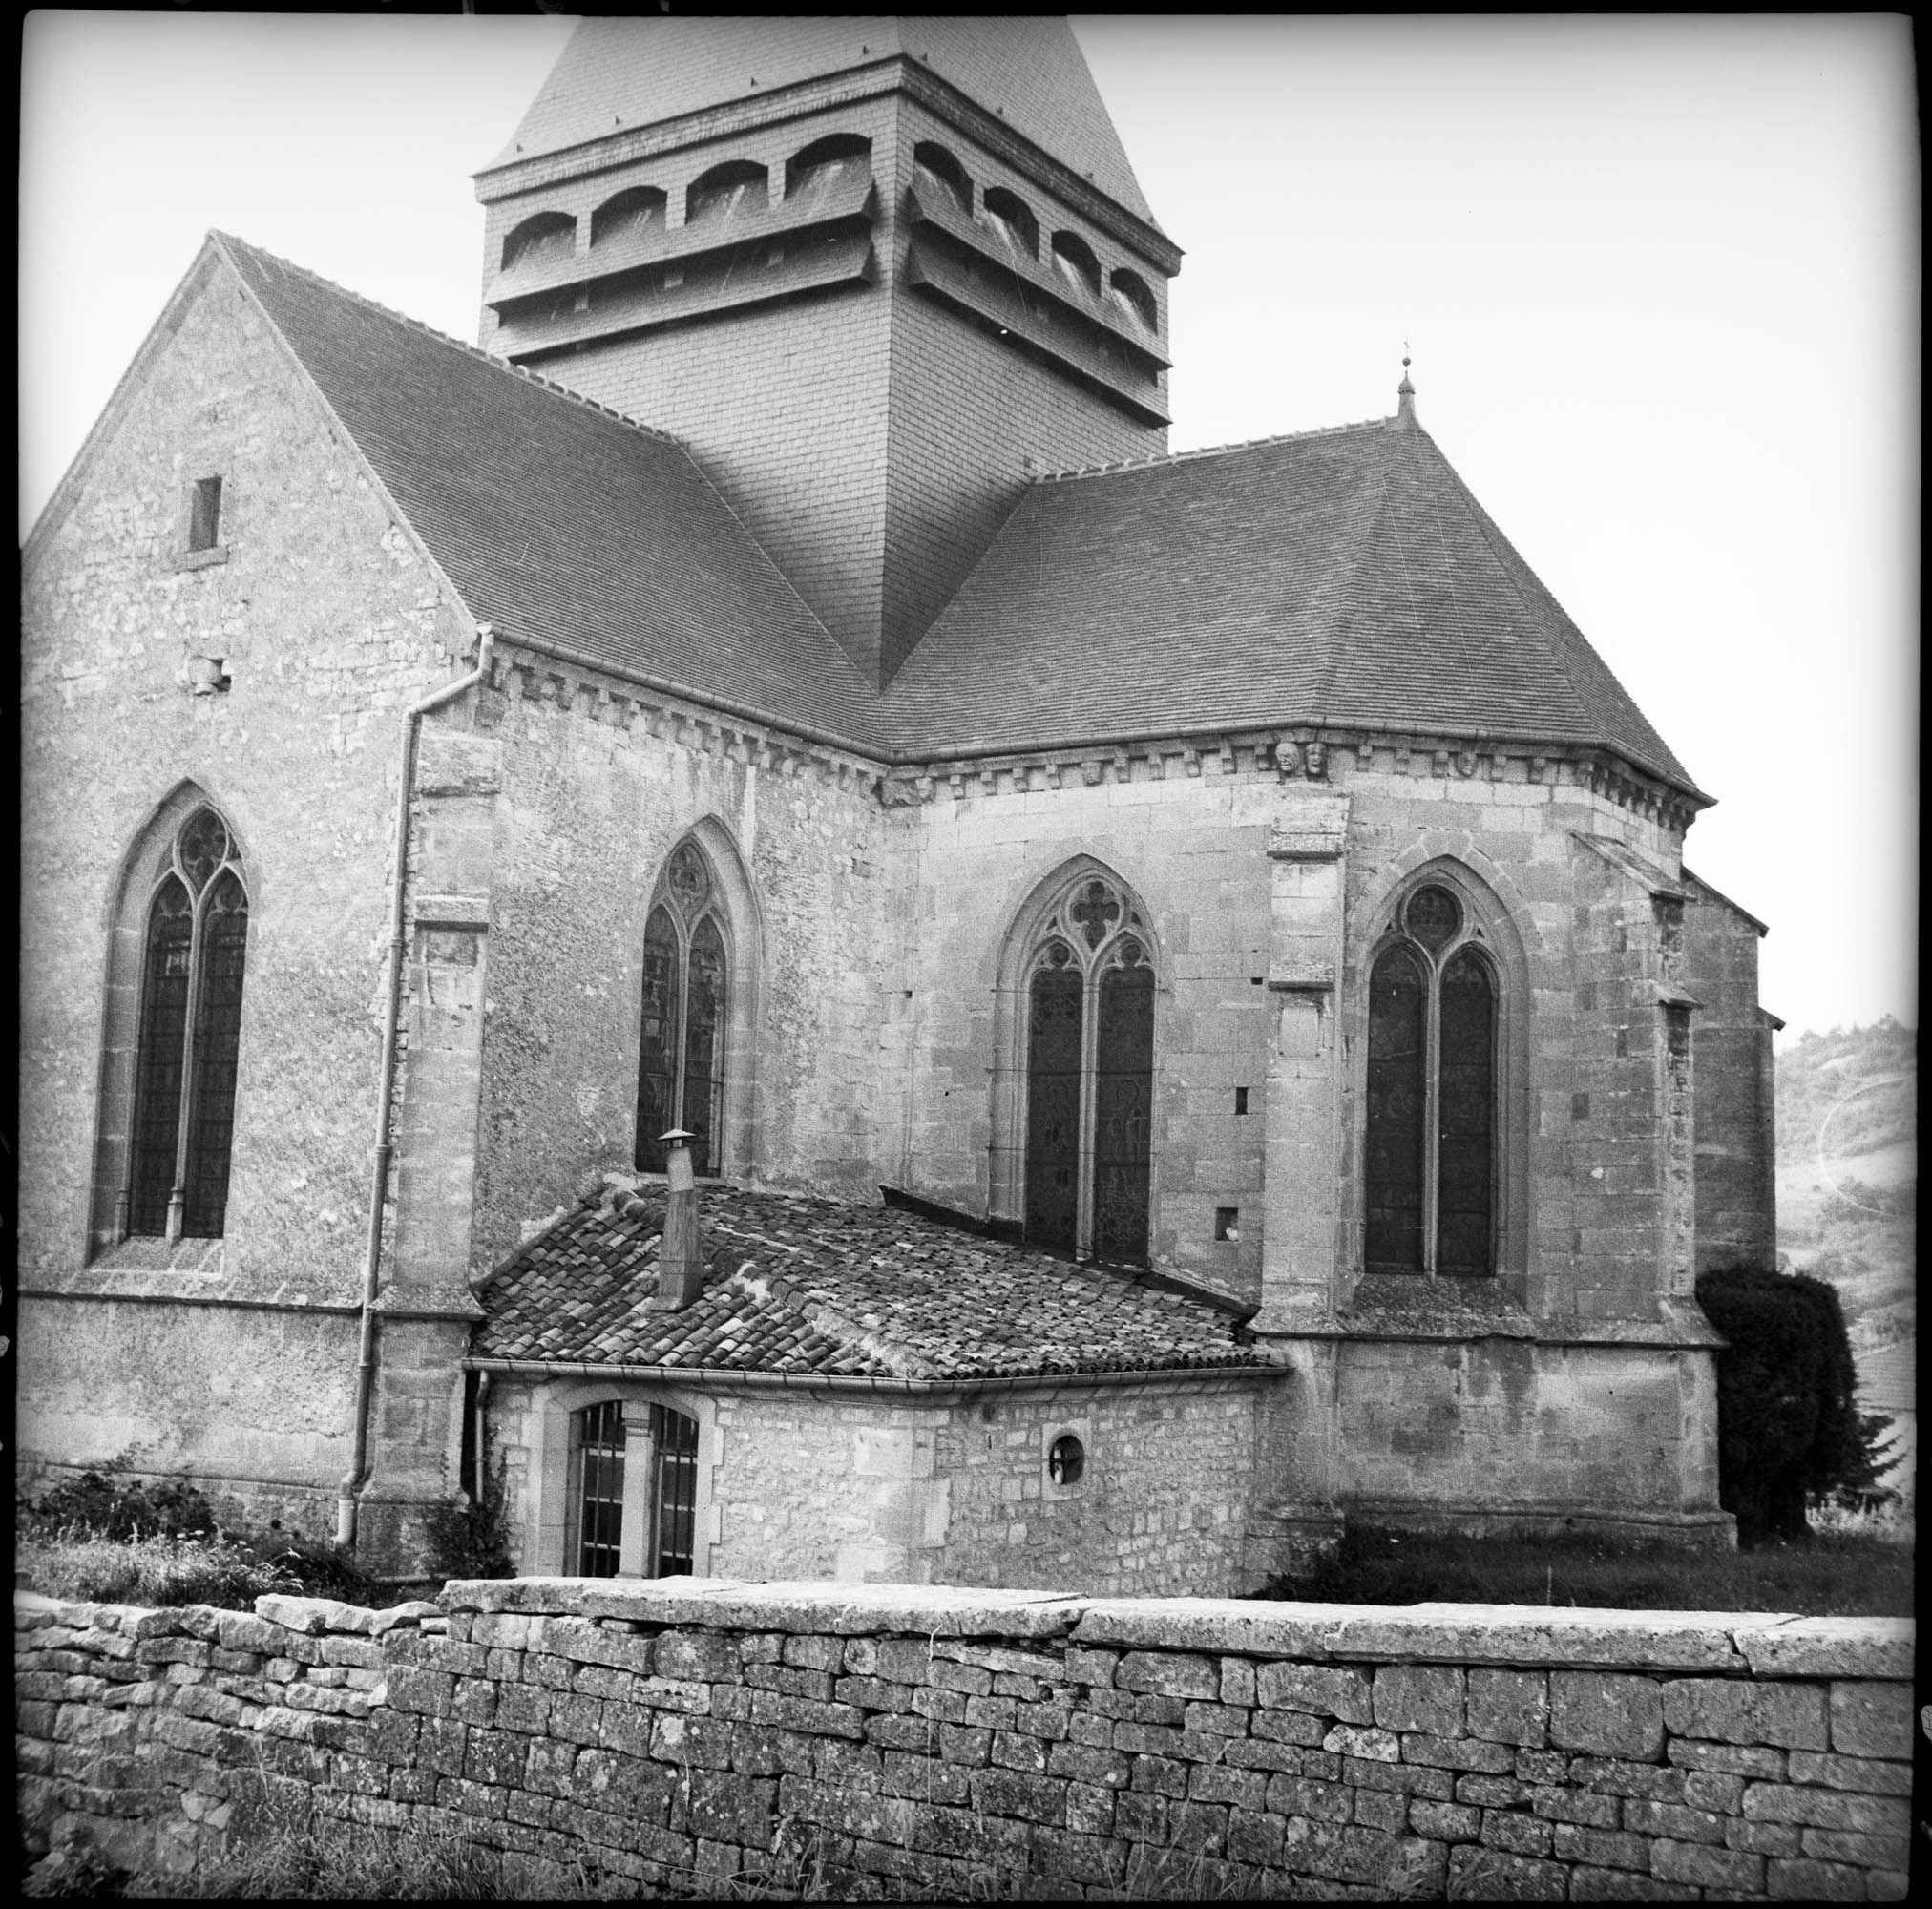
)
(830, 1290)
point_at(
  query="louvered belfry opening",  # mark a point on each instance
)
(194, 960)
(1089, 1078)
(685, 1015)
(1430, 1160)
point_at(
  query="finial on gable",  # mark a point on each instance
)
(1405, 392)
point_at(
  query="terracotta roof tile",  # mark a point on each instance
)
(802, 1284)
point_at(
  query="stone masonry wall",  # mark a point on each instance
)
(678, 1733)
(912, 1490)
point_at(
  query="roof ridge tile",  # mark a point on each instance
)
(1209, 450)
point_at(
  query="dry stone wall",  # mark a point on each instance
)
(680, 1732)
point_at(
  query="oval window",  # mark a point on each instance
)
(1066, 1460)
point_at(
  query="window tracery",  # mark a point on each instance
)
(1431, 1167)
(685, 1010)
(193, 953)
(1089, 1050)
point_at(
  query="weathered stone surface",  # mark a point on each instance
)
(1509, 1707)
(1830, 1646)
(1791, 1716)
(1344, 1691)
(1420, 1697)
(1612, 1716)
(1871, 1719)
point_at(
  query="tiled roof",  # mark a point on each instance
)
(818, 1287)
(1344, 578)
(1028, 69)
(555, 519)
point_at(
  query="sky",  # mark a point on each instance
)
(1658, 276)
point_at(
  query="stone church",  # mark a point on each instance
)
(745, 921)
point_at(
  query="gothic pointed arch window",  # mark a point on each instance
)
(686, 1011)
(1088, 1056)
(1431, 1172)
(193, 957)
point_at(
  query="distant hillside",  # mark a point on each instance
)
(1847, 1171)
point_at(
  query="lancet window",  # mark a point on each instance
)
(1089, 1077)
(686, 1007)
(193, 955)
(1431, 1167)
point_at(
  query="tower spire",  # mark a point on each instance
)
(1405, 393)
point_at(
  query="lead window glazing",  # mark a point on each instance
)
(1090, 989)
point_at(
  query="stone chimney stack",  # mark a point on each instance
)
(681, 1255)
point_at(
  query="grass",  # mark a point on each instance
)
(201, 1570)
(1855, 1565)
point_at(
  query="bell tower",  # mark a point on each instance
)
(876, 272)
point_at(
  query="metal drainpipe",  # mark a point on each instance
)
(480, 1470)
(353, 1479)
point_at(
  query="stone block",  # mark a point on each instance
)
(1847, 1846)
(1405, 1779)
(1305, 1796)
(1379, 1746)
(1763, 1838)
(1575, 1806)
(1167, 1674)
(1870, 1719)
(1512, 1831)
(1446, 1823)
(1830, 1646)
(1011, 1792)
(1673, 1819)
(1808, 1880)
(1827, 1809)
(1727, 1759)
(1791, 1716)
(1458, 1753)
(1509, 1707)
(1606, 1714)
(1381, 1810)
(1476, 1873)
(1872, 1775)
(1420, 1697)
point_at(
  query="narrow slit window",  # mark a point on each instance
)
(204, 514)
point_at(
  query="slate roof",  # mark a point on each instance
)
(557, 520)
(804, 1286)
(1029, 69)
(1344, 578)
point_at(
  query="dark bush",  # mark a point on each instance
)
(466, 1540)
(1787, 1428)
(108, 1507)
